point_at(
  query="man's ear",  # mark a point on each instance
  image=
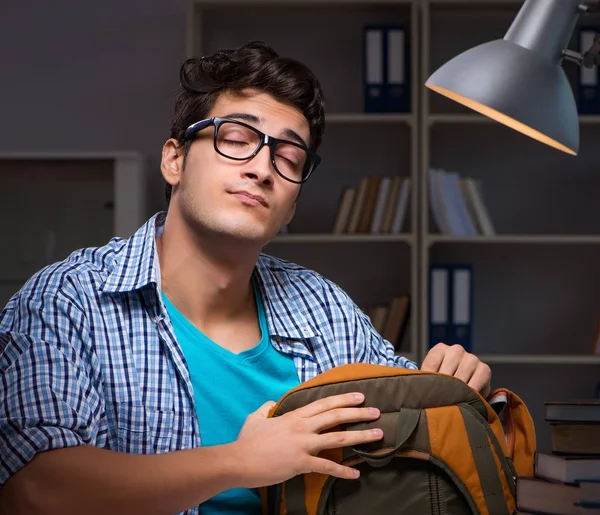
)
(171, 165)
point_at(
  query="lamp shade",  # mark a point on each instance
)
(519, 80)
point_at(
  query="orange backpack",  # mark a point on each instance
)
(445, 448)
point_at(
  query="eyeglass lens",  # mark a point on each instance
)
(240, 142)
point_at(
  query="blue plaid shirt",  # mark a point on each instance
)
(88, 354)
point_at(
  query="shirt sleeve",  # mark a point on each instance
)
(48, 394)
(377, 350)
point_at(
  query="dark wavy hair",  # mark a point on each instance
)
(253, 65)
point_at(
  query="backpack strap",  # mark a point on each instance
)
(407, 422)
(295, 503)
(479, 440)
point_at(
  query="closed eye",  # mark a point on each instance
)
(287, 159)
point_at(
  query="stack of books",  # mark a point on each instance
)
(377, 205)
(457, 205)
(567, 479)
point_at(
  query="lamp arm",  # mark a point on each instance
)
(589, 6)
(590, 57)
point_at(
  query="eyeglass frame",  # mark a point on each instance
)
(265, 140)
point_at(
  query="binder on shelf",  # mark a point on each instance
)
(588, 95)
(397, 58)
(439, 319)
(450, 305)
(462, 306)
(373, 69)
(386, 69)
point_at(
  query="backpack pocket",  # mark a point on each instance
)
(442, 460)
(406, 486)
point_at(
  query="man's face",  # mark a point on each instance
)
(214, 194)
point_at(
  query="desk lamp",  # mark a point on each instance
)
(519, 80)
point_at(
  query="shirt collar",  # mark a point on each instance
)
(281, 308)
(136, 265)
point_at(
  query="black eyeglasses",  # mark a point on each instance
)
(237, 140)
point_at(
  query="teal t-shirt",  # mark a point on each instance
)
(227, 388)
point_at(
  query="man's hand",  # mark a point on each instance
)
(455, 361)
(275, 449)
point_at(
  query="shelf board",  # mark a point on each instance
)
(540, 359)
(406, 118)
(589, 119)
(468, 118)
(458, 3)
(49, 156)
(474, 3)
(344, 238)
(480, 5)
(547, 239)
(280, 3)
(433, 119)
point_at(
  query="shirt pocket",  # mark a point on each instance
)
(144, 430)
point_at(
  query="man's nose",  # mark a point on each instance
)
(260, 166)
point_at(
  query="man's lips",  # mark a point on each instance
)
(258, 198)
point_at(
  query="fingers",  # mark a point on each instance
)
(338, 439)
(264, 410)
(455, 361)
(434, 358)
(339, 416)
(481, 379)
(467, 367)
(331, 468)
(330, 403)
(444, 359)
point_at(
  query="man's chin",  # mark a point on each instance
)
(248, 235)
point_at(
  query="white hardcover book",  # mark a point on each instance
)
(482, 213)
(460, 206)
(391, 203)
(450, 204)
(470, 207)
(435, 203)
(401, 207)
(380, 203)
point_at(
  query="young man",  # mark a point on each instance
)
(137, 377)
